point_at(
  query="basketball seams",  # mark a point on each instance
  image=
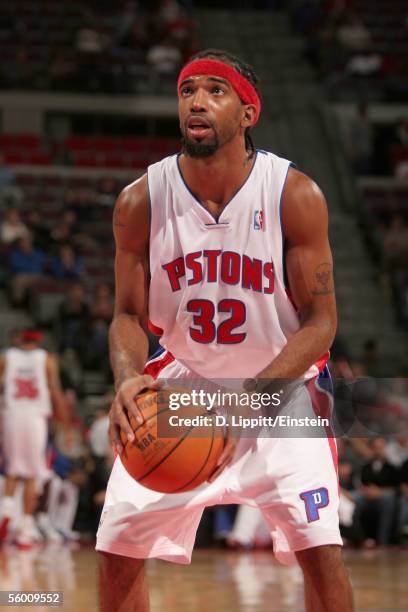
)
(163, 459)
(202, 467)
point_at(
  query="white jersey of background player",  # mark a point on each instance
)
(31, 387)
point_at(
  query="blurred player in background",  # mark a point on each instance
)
(31, 389)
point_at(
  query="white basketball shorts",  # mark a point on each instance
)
(293, 481)
(24, 444)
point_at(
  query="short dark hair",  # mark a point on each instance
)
(244, 69)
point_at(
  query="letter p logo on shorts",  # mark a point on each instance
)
(314, 501)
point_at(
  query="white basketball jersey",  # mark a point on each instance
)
(25, 381)
(217, 289)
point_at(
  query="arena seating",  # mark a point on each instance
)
(384, 197)
(85, 45)
(118, 152)
(24, 149)
(86, 151)
(387, 46)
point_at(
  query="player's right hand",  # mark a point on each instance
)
(124, 405)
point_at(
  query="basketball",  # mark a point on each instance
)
(171, 459)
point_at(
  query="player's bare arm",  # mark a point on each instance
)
(54, 386)
(309, 267)
(127, 336)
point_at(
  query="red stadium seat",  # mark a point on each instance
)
(85, 159)
(132, 144)
(6, 140)
(105, 143)
(115, 160)
(79, 143)
(39, 158)
(15, 157)
(27, 141)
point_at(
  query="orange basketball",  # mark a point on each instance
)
(172, 458)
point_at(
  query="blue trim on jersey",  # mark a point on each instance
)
(285, 274)
(324, 380)
(159, 352)
(229, 201)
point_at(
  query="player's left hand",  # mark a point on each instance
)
(225, 457)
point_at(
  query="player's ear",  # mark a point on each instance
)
(248, 115)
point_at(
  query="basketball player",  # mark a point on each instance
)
(224, 249)
(31, 386)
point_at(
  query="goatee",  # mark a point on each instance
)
(199, 149)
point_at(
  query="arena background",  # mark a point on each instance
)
(87, 101)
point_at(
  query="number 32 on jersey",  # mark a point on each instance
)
(205, 331)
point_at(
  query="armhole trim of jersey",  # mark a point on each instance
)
(285, 274)
(149, 197)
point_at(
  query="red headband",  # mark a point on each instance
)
(242, 86)
(31, 335)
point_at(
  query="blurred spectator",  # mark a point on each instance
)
(370, 358)
(401, 169)
(98, 434)
(98, 482)
(7, 175)
(90, 41)
(19, 72)
(107, 191)
(82, 201)
(63, 72)
(102, 304)
(376, 501)
(173, 23)
(396, 450)
(12, 227)
(95, 354)
(308, 16)
(170, 11)
(352, 33)
(38, 230)
(401, 132)
(350, 527)
(66, 229)
(361, 140)
(396, 242)
(67, 266)
(395, 249)
(164, 58)
(130, 29)
(10, 193)
(27, 267)
(365, 64)
(68, 438)
(72, 319)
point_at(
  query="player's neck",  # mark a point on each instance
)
(216, 179)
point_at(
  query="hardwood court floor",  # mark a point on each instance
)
(217, 581)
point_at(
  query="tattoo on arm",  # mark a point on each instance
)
(323, 280)
(117, 220)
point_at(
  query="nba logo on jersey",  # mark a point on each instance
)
(258, 219)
